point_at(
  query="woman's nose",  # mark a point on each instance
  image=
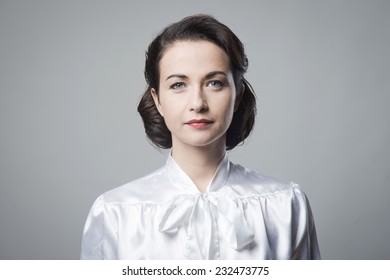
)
(197, 101)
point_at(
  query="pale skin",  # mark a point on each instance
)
(197, 98)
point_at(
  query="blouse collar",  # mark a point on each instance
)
(181, 179)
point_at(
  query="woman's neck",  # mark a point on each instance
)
(199, 163)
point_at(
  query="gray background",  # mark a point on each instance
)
(71, 75)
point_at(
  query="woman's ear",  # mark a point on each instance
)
(239, 95)
(156, 100)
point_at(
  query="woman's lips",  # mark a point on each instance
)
(201, 123)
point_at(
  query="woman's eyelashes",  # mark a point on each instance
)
(215, 84)
(177, 86)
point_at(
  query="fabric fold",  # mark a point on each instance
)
(230, 219)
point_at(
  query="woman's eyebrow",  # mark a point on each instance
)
(208, 75)
(181, 76)
(214, 73)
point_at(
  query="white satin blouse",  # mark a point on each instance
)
(243, 215)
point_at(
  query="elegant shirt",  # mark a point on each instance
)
(243, 215)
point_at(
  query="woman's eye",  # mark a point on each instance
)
(215, 84)
(177, 86)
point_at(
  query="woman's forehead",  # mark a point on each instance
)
(194, 57)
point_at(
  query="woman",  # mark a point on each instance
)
(199, 205)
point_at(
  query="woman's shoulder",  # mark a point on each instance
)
(249, 182)
(146, 189)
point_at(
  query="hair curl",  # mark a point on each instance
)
(194, 28)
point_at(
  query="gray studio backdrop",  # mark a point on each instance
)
(71, 75)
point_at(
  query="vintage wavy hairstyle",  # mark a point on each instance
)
(195, 28)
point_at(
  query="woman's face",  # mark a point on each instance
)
(197, 93)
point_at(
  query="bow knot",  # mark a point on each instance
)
(195, 210)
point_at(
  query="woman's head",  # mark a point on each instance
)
(194, 29)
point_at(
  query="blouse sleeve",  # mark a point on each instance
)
(305, 244)
(99, 237)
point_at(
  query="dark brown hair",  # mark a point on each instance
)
(194, 28)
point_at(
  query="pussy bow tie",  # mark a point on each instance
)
(200, 212)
